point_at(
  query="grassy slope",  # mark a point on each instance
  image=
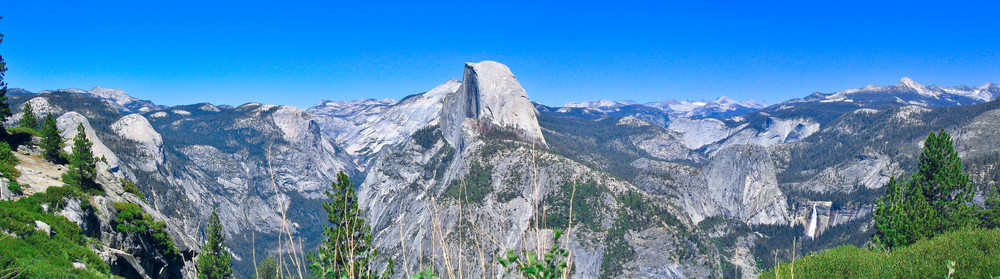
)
(975, 252)
(27, 253)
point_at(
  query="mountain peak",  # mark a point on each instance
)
(491, 95)
(906, 81)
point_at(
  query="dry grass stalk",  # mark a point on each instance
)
(289, 237)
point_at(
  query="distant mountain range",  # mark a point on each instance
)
(721, 107)
(675, 189)
(906, 92)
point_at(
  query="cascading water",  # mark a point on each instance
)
(811, 233)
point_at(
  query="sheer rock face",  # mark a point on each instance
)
(738, 182)
(135, 127)
(413, 212)
(493, 99)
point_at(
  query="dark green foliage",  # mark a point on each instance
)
(587, 201)
(550, 265)
(267, 268)
(616, 252)
(427, 136)
(7, 166)
(976, 254)
(475, 186)
(637, 213)
(52, 142)
(935, 200)
(215, 262)
(4, 107)
(131, 188)
(82, 170)
(32, 254)
(28, 119)
(346, 251)
(643, 213)
(7, 162)
(20, 135)
(15, 187)
(991, 215)
(132, 219)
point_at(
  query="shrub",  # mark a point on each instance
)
(8, 161)
(23, 131)
(132, 219)
(131, 188)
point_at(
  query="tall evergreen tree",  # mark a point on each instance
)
(346, 251)
(944, 184)
(52, 142)
(934, 200)
(267, 269)
(28, 119)
(82, 168)
(4, 107)
(991, 216)
(215, 262)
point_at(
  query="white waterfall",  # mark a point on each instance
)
(811, 233)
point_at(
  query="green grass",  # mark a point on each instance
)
(33, 254)
(976, 254)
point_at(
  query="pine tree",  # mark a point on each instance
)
(4, 107)
(267, 269)
(28, 119)
(944, 184)
(215, 262)
(934, 200)
(82, 168)
(52, 142)
(346, 251)
(991, 216)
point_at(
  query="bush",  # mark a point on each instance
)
(131, 188)
(8, 161)
(23, 131)
(15, 187)
(132, 219)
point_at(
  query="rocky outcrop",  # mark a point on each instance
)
(738, 182)
(67, 124)
(39, 105)
(827, 216)
(149, 143)
(396, 123)
(490, 98)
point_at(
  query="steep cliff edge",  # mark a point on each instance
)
(152, 248)
(490, 98)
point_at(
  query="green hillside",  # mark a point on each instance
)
(975, 253)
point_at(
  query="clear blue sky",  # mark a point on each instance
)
(297, 53)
